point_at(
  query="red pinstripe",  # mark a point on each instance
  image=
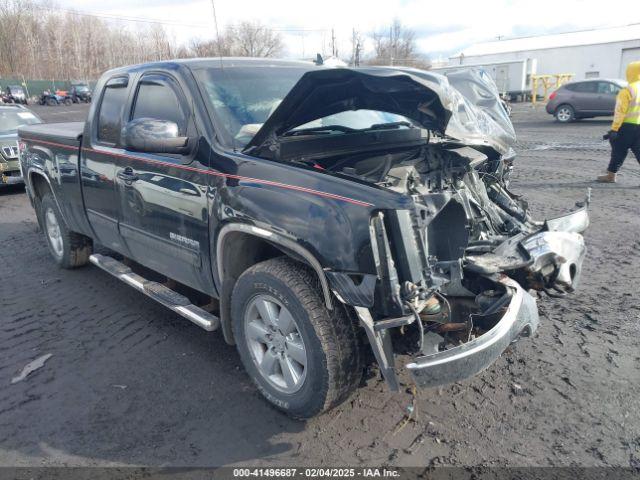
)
(212, 173)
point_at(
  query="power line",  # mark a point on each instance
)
(127, 18)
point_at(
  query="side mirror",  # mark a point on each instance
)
(153, 136)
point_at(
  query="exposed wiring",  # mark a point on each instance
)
(447, 303)
(420, 325)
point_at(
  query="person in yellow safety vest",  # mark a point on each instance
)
(625, 129)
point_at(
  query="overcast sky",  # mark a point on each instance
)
(442, 27)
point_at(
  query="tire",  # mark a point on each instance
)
(51, 102)
(68, 249)
(565, 113)
(331, 348)
(68, 101)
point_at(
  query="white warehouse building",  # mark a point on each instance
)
(601, 53)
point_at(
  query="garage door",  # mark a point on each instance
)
(628, 55)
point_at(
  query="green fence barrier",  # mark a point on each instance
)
(36, 87)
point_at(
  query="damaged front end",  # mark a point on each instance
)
(453, 270)
(457, 270)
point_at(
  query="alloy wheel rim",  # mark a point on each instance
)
(53, 232)
(275, 343)
(564, 114)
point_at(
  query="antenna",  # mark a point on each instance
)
(215, 23)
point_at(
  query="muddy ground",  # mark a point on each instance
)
(129, 383)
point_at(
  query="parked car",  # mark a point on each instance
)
(584, 99)
(14, 94)
(56, 98)
(343, 209)
(12, 117)
(80, 93)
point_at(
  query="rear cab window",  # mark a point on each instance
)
(113, 101)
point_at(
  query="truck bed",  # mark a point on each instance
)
(67, 133)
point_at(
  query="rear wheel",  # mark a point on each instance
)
(304, 358)
(69, 249)
(565, 114)
(51, 102)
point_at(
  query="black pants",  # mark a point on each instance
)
(628, 139)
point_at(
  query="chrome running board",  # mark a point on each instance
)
(160, 293)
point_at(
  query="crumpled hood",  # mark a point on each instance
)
(633, 72)
(325, 92)
(470, 113)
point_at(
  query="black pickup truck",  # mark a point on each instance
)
(323, 218)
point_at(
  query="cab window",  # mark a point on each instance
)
(158, 100)
(110, 114)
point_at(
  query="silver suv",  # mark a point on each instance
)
(584, 99)
(11, 118)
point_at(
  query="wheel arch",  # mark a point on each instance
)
(239, 247)
(38, 184)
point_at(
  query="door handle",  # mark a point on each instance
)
(128, 175)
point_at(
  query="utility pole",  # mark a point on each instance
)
(215, 23)
(333, 43)
(355, 48)
(391, 46)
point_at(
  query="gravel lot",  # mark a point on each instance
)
(130, 383)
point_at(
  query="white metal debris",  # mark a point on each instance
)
(32, 366)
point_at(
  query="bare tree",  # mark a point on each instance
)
(357, 48)
(39, 42)
(253, 39)
(248, 39)
(396, 45)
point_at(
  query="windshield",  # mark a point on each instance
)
(243, 99)
(16, 89)
(11, 120)
(81, 88)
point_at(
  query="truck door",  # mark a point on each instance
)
(163, 197)
(98, 163)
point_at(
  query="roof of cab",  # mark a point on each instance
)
(215, 62)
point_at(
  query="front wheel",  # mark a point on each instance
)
(565, 114)
(69, 249)
(304, 358)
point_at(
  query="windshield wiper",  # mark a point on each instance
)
(324, 130)
(328, 129)
(388, 126)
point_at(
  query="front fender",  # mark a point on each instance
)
(275, 238)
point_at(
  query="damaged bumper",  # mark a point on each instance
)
(464, 361)
(489, 306)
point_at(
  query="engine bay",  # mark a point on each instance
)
(441, 261)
